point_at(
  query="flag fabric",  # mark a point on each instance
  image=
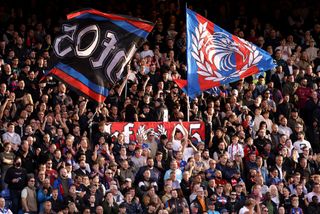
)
(93, 49)
(216, 57)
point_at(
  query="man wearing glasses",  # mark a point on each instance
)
(29, 197)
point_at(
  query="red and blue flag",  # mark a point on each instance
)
(215, 57)
(93, 49)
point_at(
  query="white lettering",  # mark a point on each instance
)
(68, 29)
(88, 50)
(109, 44)
(127, 132)
(195, 135)
(119, 57)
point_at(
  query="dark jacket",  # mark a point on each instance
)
(107, 209)
(14, 172)
(132, 208)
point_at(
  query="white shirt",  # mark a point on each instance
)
(312, 53)
(310, 195)
(13, 138)
(188, 152)
(144, 54)
(285, 130)
(299, 144)
(176, 145)
(5, 211)
(243, 210)
(256, 122)
(280, 172)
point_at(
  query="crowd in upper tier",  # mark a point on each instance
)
(261, 151)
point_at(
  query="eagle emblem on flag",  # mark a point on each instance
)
(216, 57)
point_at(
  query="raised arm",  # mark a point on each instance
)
(124, 82)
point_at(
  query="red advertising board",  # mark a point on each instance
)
(131, 130)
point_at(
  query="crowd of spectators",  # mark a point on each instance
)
(261, 152)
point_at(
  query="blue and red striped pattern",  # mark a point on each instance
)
(135, 23)
(77, 80)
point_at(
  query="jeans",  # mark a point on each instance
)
(16, 200)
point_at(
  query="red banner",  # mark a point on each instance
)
(131, 130)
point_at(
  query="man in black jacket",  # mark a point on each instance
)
(131, 207)
(16, 178)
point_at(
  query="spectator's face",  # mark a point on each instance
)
(55, 193)
(11, 128)
(99, 210)
(150, 162)
(92, 199)
(200, 192)
(306, 151)
(279, 161)
(128, 198)
(295, 201)
(63, 173)
(174, 193)
(138, 152)
(122, 210)
(299, 189)
(31, 182)
(169, 145)
(252, 157)
(108, 173)
(173, 165)
(8, 147)
(3, 88)
(235, 139)
(2, 202)
(300, 136)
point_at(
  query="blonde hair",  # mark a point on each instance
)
(272, 188)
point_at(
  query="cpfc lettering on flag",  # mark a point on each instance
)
(131, 130)
(93, 48)
(216, 57)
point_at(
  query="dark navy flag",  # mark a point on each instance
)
(216, 57)
(93, 49)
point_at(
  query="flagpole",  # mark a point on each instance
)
(126, 86)
(188, 109)
(188, 100)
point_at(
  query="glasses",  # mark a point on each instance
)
(265, 210)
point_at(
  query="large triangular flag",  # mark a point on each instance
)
(216, 57)
(93, 49)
